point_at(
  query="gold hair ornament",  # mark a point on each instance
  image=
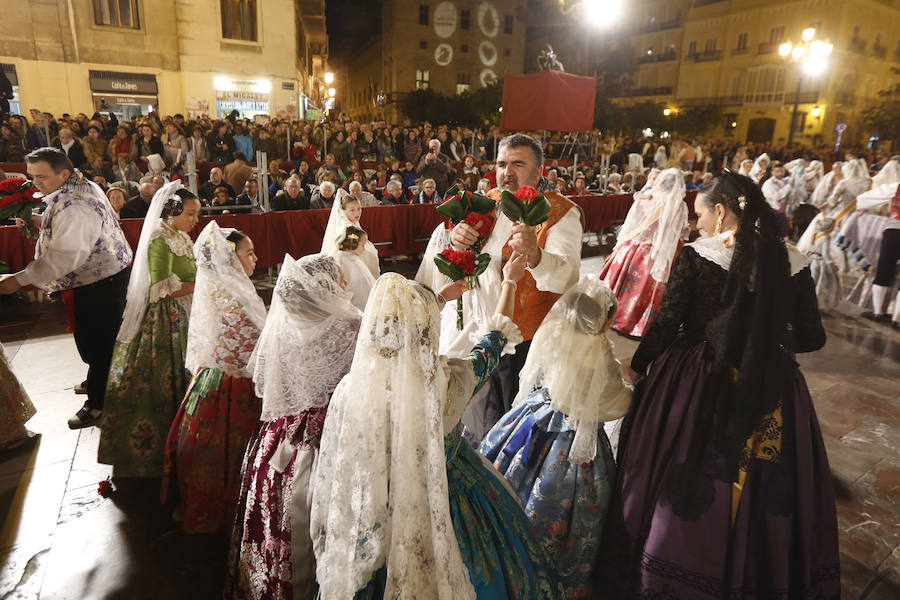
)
(742, 202)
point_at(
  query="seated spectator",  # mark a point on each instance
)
(469, 182)
(393, 194)
(381, 175)
(264, 143)
(222, 197)
(93, 144)
(98, 167)
(358, 176)
(305, 150)
(243, 143)
(207, 189)
(484, 186)
(372, 186)
(197, 143)
(324, 196)
(101, 181)
(306, 176)
(579, 189)
(175, 146)
(409, 175)
(12, 145)
(249, 198)
(562, 186)
(395, 169)
(238, 171)
(351, 168)
(292, 197)
(136, 208)
(428, 194)
(147, 143)
(125, 170)
(330, 166)
(117, 197)
(278, 179)
(613, 183)
(468, 166)
(365, 198)
(72, 147)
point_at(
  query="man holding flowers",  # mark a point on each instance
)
(80, 248)
(546, 230)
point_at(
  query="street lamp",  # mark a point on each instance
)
(811, 54)
(329, 77)
(667, 111)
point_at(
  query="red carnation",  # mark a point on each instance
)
(527, 193)
(481, 223)
(11, 199)
(463, 259)
(10, 185)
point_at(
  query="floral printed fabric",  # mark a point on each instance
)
(206, 446)
(261, 558)
(566, 503)
(147, 381)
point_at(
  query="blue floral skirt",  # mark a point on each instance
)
(566, 503)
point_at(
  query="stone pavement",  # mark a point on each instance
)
(61, 540)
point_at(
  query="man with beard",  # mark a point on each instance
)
(553, 252)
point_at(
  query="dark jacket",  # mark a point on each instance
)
(283, 201)
(207, 190)
(146, 148)
(75, 153)
(221, 155)
(135, 208)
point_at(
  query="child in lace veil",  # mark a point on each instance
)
(551, 446)
(305, 348)
(220, 410)
(402, 506)
(359, 278)
(346, 211)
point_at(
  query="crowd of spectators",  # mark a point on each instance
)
(310, 161)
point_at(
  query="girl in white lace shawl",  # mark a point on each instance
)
(391, 460)
(357, 275)
(759, 167)
(305, 348)
(220, 411)
(346, 211)
(826, 184)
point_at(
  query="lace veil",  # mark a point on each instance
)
(586, 381)
(823, 188)
(336, 229)
(226, 313)
(307, 343)
(668, 214)
(139, 282)
(889, 173)
(380, 496)
(756, 169)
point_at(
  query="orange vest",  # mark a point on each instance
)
(532, 304)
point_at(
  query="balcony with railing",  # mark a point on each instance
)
(647, 91)
(654, 58)
(708, 56)
(712, 101)
(743, 50)
(768, 48)
(804, 98)
(857, 45)
(879, 51)
(662, 25)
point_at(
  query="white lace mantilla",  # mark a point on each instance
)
(713, 249)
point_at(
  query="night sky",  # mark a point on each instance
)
(350, 24)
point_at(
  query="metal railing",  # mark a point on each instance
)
(708, 56)
(804, 98)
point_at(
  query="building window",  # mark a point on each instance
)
(462, 83)
(117, 13)
(692, 49)
(239, 19)
(423, 45)
(507, 52)
(855, 33)
(776, 35)
(423, 79)
(463, 47)
(765, 84)
(507, 24)
(465, 19)
(423, 14)
(710, 47)
(741, 42)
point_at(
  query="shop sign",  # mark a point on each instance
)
(112, 82)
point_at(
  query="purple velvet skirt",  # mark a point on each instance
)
(670, 535)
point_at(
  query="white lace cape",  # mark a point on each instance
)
(380, 497)
(227, 315)
(713, 249)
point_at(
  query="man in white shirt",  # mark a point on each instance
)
(80, 248)
(777, 190)
(553, 252)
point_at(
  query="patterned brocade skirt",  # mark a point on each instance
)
(567, 503)
(147, 382)
(681, 528)
(271, 553)
(15, 405)
(627, 272)
(206, 447)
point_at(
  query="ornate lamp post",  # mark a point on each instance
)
(811, 56)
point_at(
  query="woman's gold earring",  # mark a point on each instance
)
(718, 226)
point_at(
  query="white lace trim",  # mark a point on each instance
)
(165, 288)
(504, 325)
(714, 250)
(178, 242)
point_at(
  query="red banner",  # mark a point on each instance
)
(550, 100)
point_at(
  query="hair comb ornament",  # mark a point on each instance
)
(232, 244)
(742, 201)
(352, 236)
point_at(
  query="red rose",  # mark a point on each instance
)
(12, 184)
(527, 193)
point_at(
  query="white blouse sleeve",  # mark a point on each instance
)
(70, 246)
(561, 255)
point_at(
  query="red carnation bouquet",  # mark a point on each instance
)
(475, 211)
(525, 207)
(17, 200)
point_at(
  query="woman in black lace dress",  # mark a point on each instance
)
(724, 488)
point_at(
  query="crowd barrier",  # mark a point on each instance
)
(394, 230)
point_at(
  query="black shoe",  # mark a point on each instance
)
(81, 388)
(86, 417)
(895, 325)
(885, 318)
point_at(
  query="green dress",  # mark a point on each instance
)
(147, 380)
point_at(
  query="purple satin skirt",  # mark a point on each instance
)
(671, 536)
